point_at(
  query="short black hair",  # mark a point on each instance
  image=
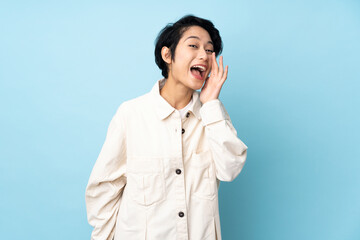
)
(170, 35)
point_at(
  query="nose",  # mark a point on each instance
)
(203, 54)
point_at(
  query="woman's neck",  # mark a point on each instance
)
(176, 94)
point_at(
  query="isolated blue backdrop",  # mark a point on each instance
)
(292, 93)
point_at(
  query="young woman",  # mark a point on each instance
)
(158, 173)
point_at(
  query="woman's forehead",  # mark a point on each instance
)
(196, 32)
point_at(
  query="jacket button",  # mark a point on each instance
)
(181, 214)
(182, 131)
(178, 171)
(187, 114)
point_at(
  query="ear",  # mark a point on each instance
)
(166, 54)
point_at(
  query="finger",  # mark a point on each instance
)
(215, 67)
(221, 66)
(225, 73)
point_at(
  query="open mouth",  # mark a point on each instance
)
(198, 71)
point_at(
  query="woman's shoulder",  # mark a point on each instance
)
(134, 104)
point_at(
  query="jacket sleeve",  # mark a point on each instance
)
(228, 151)
(107, 180)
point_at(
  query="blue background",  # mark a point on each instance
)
(292, 93)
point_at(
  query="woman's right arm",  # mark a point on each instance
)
(107, 181)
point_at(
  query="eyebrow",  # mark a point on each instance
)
(198, 39)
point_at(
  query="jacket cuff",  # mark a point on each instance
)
(211, 112)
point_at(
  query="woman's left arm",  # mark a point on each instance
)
(229, 152)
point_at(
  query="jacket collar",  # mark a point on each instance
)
(164, 109)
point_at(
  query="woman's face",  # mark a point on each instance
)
(194, 49)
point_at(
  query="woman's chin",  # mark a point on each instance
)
(196, 85)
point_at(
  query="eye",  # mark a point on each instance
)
(207, 50)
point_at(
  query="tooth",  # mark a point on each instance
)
(200, 67)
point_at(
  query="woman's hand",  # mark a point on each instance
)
(215, 81)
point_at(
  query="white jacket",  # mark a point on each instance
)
(157, 175)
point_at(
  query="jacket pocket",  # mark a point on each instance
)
(145, 181)
(202, 174)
